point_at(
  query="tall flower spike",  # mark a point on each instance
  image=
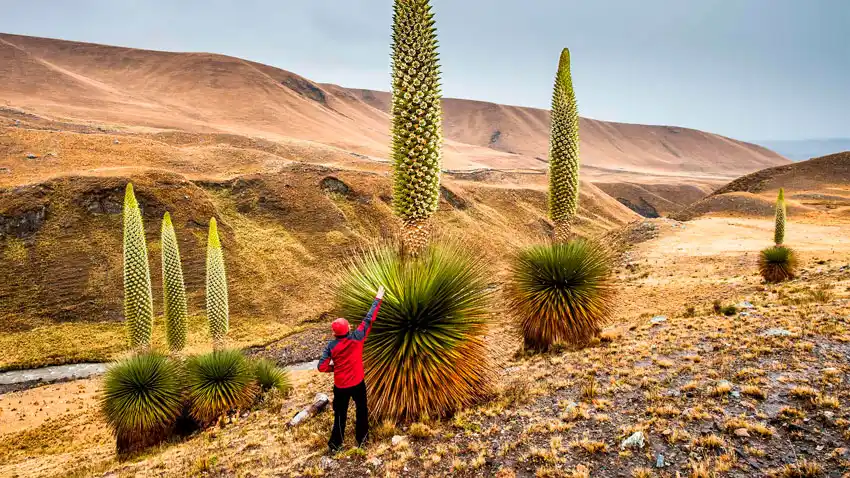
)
(217, 308)
(563, 152)
(417, 116)
(138, 302)
(781, 213)
(173, 288)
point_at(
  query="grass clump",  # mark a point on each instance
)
(777, 264)
(218, 382)
(561, 292)
(269, 376)
(141, 400)
(431, 328)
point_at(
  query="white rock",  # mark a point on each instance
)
(658, 319)
(398, 440)
(775, 333)
(637, 440)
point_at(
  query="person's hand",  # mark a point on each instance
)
(380, 294)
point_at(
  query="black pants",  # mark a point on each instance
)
(341, 398)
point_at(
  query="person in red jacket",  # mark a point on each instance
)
(344, 357)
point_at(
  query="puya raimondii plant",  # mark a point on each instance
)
(218, 314)
(138, 300)
(173, 288)
(417, 135)
(779, 262)
(562, 291)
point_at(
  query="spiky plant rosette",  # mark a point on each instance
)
(561, 292)
(425, 354)
(417, 117)
(777, 264)
(173, 288)
(141, 399)
(269, 376)
(218, 382)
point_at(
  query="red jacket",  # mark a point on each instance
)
(347, 352)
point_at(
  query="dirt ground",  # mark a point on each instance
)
(758, 391)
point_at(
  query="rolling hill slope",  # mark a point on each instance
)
(145, 90)
(819, 186)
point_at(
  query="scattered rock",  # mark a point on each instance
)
(776, 332)
(31, 156)
(658, 319)
(327, 463)
(331, 184)
(456, 201)
(23, 224)
(637, 440)
(398, 440)
(742, 432)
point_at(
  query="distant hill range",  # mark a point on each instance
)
(803, 149)
(817, 186)
(209, 93)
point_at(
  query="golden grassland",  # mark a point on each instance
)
(713, 393)
(285, 235)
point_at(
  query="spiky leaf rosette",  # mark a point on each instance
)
(218, 313)
(173, 288)
(781, 213)
(777, 264)
(218, 382)
(562, 293)
(270, 376)
(138, 302)
(141, 400)
(416, 120)
(563, 152)
(425, 355)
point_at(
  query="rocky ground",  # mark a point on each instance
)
(705, 372)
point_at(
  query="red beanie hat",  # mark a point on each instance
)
(340, 326)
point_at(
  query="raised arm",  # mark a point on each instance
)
(325, 362)
(363, 329)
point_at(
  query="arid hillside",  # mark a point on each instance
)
(817, 187)
(124, 88)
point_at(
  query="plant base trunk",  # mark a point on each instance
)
(414, 236)
(563, 231)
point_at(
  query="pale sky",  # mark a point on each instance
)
(749, 69)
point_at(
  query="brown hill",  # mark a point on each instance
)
(814, 187)
(285, 236)
(198, 92)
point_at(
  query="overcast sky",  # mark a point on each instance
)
(749, 69)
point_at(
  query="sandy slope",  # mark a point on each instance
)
(655, 378)
(208, 92)
(815, 187)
